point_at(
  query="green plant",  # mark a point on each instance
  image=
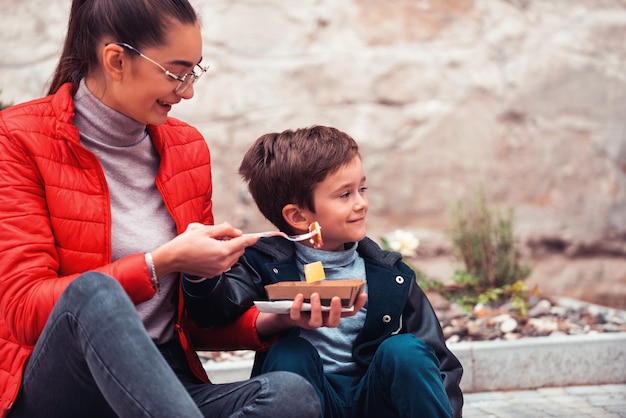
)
(483, 238)
(467, 292)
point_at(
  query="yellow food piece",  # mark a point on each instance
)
(314, 272)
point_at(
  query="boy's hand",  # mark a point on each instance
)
(316, 318)
(269, 324)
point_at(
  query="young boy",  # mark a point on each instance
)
(388, 360)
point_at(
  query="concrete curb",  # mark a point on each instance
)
(228, 371)
(529, 363)
(538, 362)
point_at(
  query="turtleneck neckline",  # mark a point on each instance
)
(330, 259)
(103, 123)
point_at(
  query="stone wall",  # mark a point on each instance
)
(524, 98)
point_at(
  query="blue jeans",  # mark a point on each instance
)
(95, 359)
(403, 379)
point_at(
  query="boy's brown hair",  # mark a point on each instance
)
(284, 168)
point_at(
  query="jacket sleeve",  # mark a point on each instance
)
(238, 335)
(220, 300)
(32, 273)
(421, 321)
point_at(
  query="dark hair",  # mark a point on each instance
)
(284, 168)
(140, 23)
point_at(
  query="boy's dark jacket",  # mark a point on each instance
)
(396, 304)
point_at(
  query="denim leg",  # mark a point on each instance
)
(403, 380)
(94, 358)
(275, 395)
(297, 355)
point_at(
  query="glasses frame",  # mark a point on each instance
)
(183, 82)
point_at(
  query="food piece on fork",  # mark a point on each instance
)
(316, 239)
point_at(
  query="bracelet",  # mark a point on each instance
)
(194, 279)
(152, 270)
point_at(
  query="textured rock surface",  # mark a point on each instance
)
(525, 98)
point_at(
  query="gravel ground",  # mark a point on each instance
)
(545, 317)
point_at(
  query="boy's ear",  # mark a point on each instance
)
(297, 218)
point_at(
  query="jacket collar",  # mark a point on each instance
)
(62, 104)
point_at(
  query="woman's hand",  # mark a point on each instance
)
(202, 250)
(269, 323)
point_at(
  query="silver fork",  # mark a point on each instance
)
(314, 230)
(300, 237)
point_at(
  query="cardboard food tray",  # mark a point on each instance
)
(347, 290)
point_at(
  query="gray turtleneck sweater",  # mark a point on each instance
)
(140, 220)
(334, 345)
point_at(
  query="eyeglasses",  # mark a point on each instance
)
(183, 82)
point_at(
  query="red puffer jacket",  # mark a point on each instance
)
(55, 223)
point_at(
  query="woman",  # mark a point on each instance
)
(105, 201)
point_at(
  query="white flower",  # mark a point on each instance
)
(404, 242)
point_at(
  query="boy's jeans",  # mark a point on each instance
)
(403, 379)
(94, 358)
